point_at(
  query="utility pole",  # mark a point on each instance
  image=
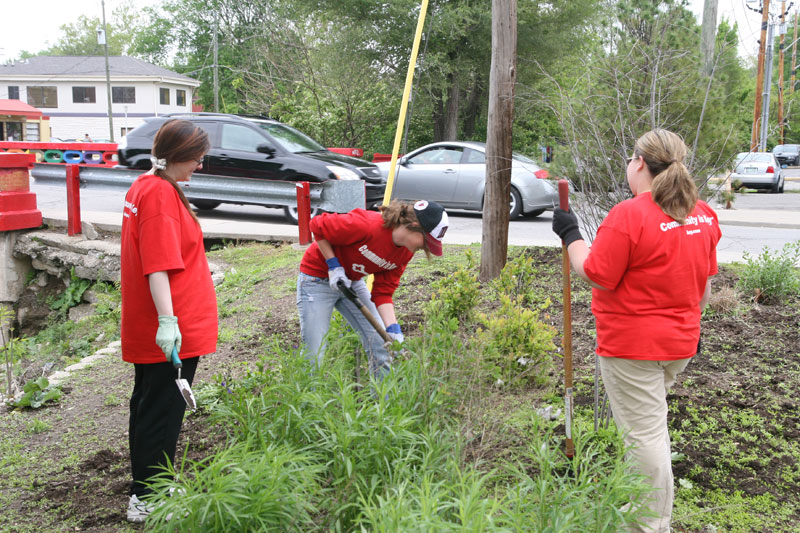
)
(780, 74)
(216, 70)
(108, 74)
(794, 54)
(709, 31)
(760, 76)
(762, 143)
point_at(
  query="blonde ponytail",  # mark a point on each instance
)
(673, 188)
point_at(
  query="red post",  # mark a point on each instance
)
(73, 200)
(17, 203)
(304, 211)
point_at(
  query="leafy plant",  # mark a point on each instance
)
(517, 345)
(456, 295)
(772, 275)
(38, 392)
(72, 294)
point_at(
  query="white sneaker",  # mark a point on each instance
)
(138, 510)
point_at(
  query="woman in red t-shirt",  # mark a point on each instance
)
(351, 246)
(650, 267)
(168, 301)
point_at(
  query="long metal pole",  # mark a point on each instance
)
(762, 144)
(108, 75)
(760, 77)
(794, 54)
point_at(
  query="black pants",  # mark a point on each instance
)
(157, 409)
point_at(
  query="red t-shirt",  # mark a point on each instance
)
(655, 272)
(363, 246)
(159, 234)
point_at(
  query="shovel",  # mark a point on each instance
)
(183, 385)
(563, 203)
(350, 295)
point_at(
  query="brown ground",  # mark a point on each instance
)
(750, 360)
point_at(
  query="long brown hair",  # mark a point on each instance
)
(179, 141)
(400, 213)
(673, 188)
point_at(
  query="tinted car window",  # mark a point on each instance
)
(292, 140)
(439, 155)
(474, 156)
(238, 137)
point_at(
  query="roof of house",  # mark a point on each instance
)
(86, 66)
(18, 109)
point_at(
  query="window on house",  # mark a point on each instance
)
(124, 131)
(32, 131)
(180, 97)
(163, 96)
(44, 96)
(13, 92)
(83, 95)
(123, 95)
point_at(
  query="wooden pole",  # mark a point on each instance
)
(566, 340)
(762, 46)
(502, 79)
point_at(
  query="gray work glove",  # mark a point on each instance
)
(336, 274)
(168, 335)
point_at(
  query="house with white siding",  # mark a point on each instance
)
(72, 91)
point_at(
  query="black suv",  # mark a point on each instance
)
(256, 147)
(787, 154)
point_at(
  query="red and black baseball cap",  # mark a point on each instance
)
(433, 219)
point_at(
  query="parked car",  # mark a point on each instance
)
(758, 170)
(256, 147)
(454, 174)
(787, 154)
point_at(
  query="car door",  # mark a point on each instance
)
(471, 180)
(236, 154)
(430, 174)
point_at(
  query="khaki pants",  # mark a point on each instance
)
(637, 391)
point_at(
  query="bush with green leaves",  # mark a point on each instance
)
(517, 347)
(518, 281)
(456, 295)
(72, 294)
(771, 276)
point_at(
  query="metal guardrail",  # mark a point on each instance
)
(333, 195)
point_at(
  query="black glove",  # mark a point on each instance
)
(699, 346)
(565, 225)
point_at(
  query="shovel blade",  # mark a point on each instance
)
(186, 392)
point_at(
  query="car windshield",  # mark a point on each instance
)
(757, 157)
(290, 139)
(786, 148)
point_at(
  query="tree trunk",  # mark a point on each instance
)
(451, 118)
(502, 77)
(473, 108)
(438, 117)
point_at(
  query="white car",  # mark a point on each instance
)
(758, 170)
(454, 174)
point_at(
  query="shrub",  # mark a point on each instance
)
(517, 346)
(456, 296)
(772, 275)
(518, 281)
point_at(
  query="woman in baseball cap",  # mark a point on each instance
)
(347, 248)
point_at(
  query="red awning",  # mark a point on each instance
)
(18, 109)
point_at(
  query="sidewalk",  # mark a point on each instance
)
(759, 217)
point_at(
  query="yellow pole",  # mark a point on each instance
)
(398, 136)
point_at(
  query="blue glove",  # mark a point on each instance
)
(168, 336)
(395, 333)
(336, 274)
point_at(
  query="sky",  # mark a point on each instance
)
(40, 21)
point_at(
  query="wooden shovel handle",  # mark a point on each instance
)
(566, 341)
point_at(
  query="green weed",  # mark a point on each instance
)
(771, 276)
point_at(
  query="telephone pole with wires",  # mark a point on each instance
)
(794, 55)
(782, 32)
(762, 44)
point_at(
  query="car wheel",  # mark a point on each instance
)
(515, 205)
(776, 187)
(780, 189)
(533, 214)
(290, 212)
(205, 204)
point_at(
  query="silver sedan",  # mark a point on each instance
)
(454, 174)
(758, 170)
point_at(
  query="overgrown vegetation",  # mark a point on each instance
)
(440, 445)
(772, 276)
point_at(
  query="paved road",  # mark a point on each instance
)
(231, 220)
